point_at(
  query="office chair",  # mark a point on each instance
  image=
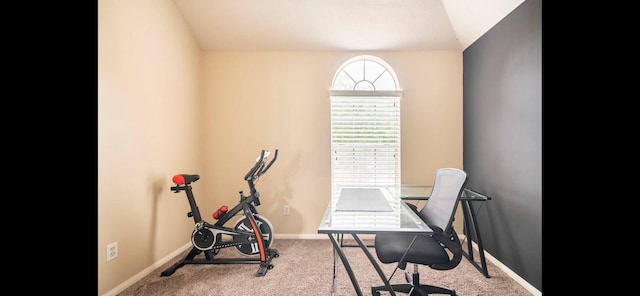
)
(440, 251)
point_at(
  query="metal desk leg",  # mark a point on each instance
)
(347, 266)
(342, 245)
(374, 263)
(335, 267)
(471, 225)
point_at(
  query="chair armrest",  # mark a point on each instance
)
(414, 208)
(451, 242)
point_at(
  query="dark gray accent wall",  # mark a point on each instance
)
(503, 137)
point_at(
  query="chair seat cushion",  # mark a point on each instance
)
(425, 250)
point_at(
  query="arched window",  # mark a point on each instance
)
(365, 124)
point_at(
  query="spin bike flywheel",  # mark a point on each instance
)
(251, 247)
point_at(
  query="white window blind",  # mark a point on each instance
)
(365, 141)
(365, 124)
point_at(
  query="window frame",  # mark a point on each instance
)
(368, 169)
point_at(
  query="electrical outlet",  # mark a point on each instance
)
(286, 210)
(112, 251)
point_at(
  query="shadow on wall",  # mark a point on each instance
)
(157, 185)
(284, 191)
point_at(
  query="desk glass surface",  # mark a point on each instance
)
(400, 218)
(422, 192)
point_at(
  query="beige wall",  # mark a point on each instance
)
(149, 127)
(269, 100)
(166, 108)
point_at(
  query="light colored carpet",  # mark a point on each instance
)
(305, 267)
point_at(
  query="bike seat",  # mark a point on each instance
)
(185, 179)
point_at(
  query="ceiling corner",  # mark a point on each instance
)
(472, 19)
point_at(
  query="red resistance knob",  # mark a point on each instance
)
(220, 212)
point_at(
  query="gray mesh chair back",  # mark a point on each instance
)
(448, 185)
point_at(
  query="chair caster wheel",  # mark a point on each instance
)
(276, 255)
(374, 292)
(270, 266)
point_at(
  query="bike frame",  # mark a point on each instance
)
(247, 205)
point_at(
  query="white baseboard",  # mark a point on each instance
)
(316, 236)
(298, 236)
(124, 285)
(506, 270)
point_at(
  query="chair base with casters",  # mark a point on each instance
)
(413, 287)
(410, 288)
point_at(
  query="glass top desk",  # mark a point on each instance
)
(470, 224)
(367, 211)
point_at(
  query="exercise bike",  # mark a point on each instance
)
(251, 235)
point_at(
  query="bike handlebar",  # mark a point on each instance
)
(275, 155)
(259, 168)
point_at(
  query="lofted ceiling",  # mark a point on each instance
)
(341, 25)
